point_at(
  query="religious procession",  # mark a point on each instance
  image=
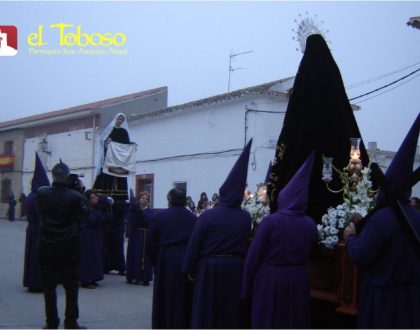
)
(299, 249)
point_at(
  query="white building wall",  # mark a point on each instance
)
(264, 121)
(384, 159)
(200, 146)
(74, 148)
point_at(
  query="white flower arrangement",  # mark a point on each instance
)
(336, 219)
(257, 210)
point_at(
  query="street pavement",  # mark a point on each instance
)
(114, 304)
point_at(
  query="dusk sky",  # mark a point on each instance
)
(186, 46)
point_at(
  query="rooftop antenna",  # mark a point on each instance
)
(232, 55)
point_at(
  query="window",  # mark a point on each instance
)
(6, 189)
(145, 182)
(8, 148)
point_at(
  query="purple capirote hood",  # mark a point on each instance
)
(40, 177)
(293, 198)
(232, 190)
(401, 166)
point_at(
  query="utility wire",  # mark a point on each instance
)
(379, 77)
(403, 83)
(385, 86)
(228, 152)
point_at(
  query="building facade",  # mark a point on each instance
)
(11, 156)
(194, 145)
(68, 134)
(191, 146)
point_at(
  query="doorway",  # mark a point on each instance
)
(145, 182)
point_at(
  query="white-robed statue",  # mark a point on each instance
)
(115, 160)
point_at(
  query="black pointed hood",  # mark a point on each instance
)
(319, 117)
(267, 176)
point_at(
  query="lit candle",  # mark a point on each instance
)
(355, 148)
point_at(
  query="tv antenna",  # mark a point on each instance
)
(232, 55)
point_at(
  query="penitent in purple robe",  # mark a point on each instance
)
(390, 268)
(91, 264)
(166, 243)
(389, 295)
(216, 252)
(31, 277)
(275, 276)
(215, 257)
(139, 267)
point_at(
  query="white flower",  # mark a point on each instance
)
(257, 210)
(333, 231)
(336, 219)
(341, 213)
(359, 209)
(341, 223)
(332, 213)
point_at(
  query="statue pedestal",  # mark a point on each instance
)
(334, 279)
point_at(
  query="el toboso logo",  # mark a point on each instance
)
(68, 36)
(8, 40)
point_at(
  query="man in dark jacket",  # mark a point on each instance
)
(60, 209)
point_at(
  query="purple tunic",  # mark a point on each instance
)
(91, 266)
(215, 257)
(275, 276)
(31, 277)
(139, 267)
(166, 243)
(390, 272)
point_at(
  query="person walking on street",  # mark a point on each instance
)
(12, 207)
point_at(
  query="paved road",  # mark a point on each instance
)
(113, 305)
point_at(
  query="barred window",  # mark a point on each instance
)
(8, 147)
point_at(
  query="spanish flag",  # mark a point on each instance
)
(7, 160)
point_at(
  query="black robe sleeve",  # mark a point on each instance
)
(119, 135)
